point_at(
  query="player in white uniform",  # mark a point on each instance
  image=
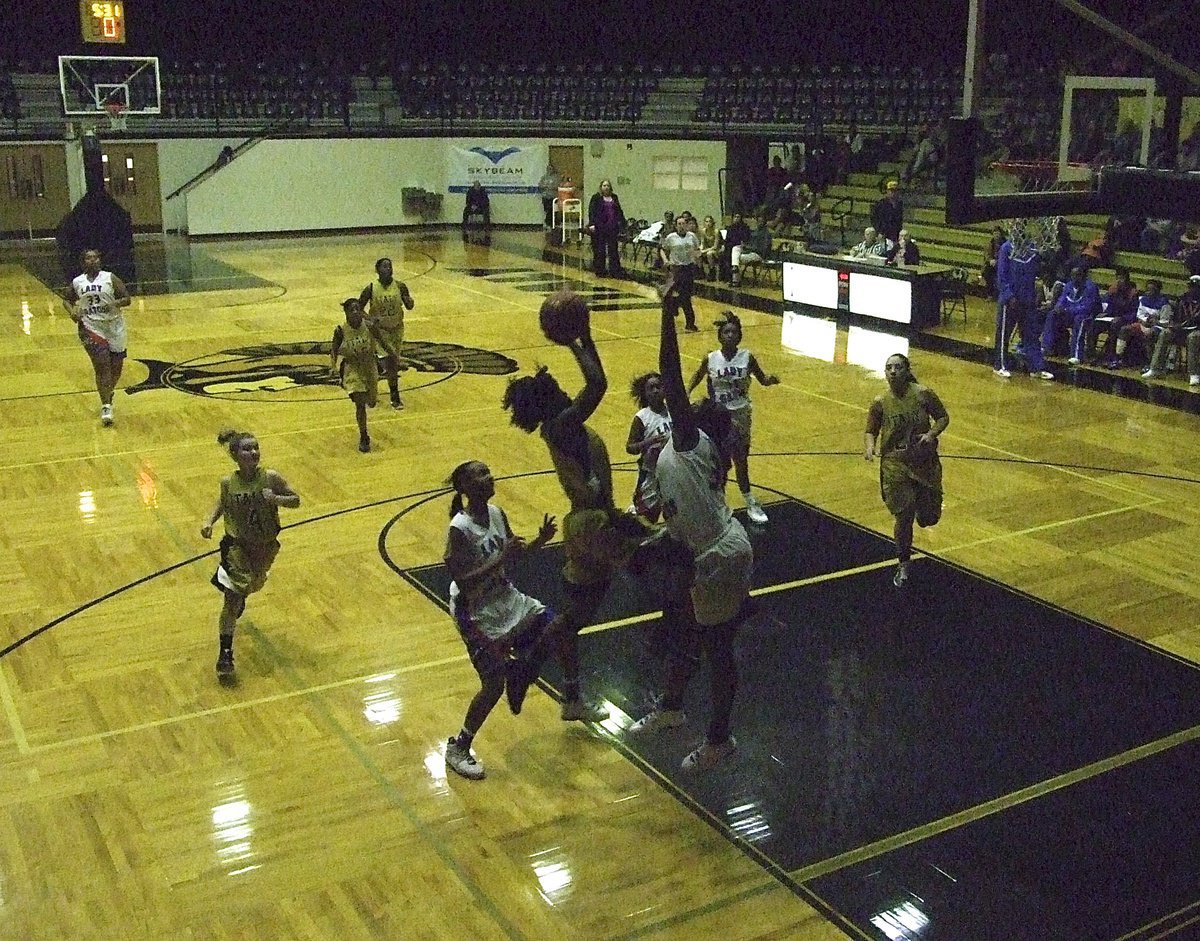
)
(649, 431)
(728, 371)
(492, 616)
(94, 301)
(691, 483)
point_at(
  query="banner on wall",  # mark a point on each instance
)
(501, 167)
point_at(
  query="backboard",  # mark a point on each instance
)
(1054, 94)
(89, 84)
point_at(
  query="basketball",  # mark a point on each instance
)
(563, 317)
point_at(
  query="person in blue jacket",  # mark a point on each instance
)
(1078, 304)
(1016, 284)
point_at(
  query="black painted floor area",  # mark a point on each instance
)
(867, 712)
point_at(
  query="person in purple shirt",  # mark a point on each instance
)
(1016, 283)
(1080, 302)
(606, 222)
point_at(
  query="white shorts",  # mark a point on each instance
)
(499, 614)
(103, 334)
(722, 580)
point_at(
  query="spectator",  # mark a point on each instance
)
(1120, 303)
(1184, 327)
(777, 179)
(1079, 305)
(1016, 307)
(225, 156)
(477, 210)
(710, 249)
(905, 251)
(1153, 312)
(606, 221)
(1189, 249)
(548, 190)
(887, 215)
(755, 249)
(736, 235)
(1098, 253)
(810, 215)
(924, 156)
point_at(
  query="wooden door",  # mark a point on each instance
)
(36, 196)
(131, 178)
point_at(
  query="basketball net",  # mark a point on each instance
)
(116, 116)
(1037, 235)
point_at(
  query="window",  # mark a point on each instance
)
(681, 173)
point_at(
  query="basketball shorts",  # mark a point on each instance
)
(103, 335)
(721, 582)
(912, 488)
(393, 333)
(361, 378)
(739, 420)
(244, 565)
(491, 628)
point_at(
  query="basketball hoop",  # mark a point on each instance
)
(116, 115)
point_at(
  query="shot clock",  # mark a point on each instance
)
(102, 20)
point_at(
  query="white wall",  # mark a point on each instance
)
(303, 185)
(179, 160)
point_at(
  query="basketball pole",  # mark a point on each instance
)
(973, 63)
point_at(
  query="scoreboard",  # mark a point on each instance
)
(102, 20)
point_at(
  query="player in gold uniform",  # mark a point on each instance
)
(356, 343)
(385, 300)
(249, 501)
(903, 425)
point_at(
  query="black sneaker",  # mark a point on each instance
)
(364, 444)
(225, 663)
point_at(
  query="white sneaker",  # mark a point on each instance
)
(1150, 374)
(1074, 361)
(707, 756)
(1194, 380)
(1045, 375)
(658, 720)
(754, 512)
(461, 760)
(1003, 373)
(901, 575)
(106, 415)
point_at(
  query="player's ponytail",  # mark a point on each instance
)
(231, 439)
(455, 481)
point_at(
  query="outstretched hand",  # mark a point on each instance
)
(548, 529)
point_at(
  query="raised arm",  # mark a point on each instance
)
(685, 434)
(700, 373)
(595, 383)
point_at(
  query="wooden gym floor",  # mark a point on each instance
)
(140, 799)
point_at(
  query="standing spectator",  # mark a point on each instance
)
(1017, 305)
(990, 255)
(887, 215)
(476, 207)
(548, 190)
(777, 179)
(606, 221)
(680, 251)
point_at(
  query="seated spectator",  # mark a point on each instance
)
(988, 271)
(904, 252)
(1156, 236)
(736, 235)
(756, 249)
(810, 216)
(780, 223)
(710, 249)
(1189, 249)
(1098, 253)
(1184, 328)
(652, 236)
(1078, 306)
(1152, 313)
(873, 244)
(1120, 304)
(477, 211)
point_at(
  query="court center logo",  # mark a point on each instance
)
(296, 372)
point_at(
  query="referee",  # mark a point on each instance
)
(680, 250)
